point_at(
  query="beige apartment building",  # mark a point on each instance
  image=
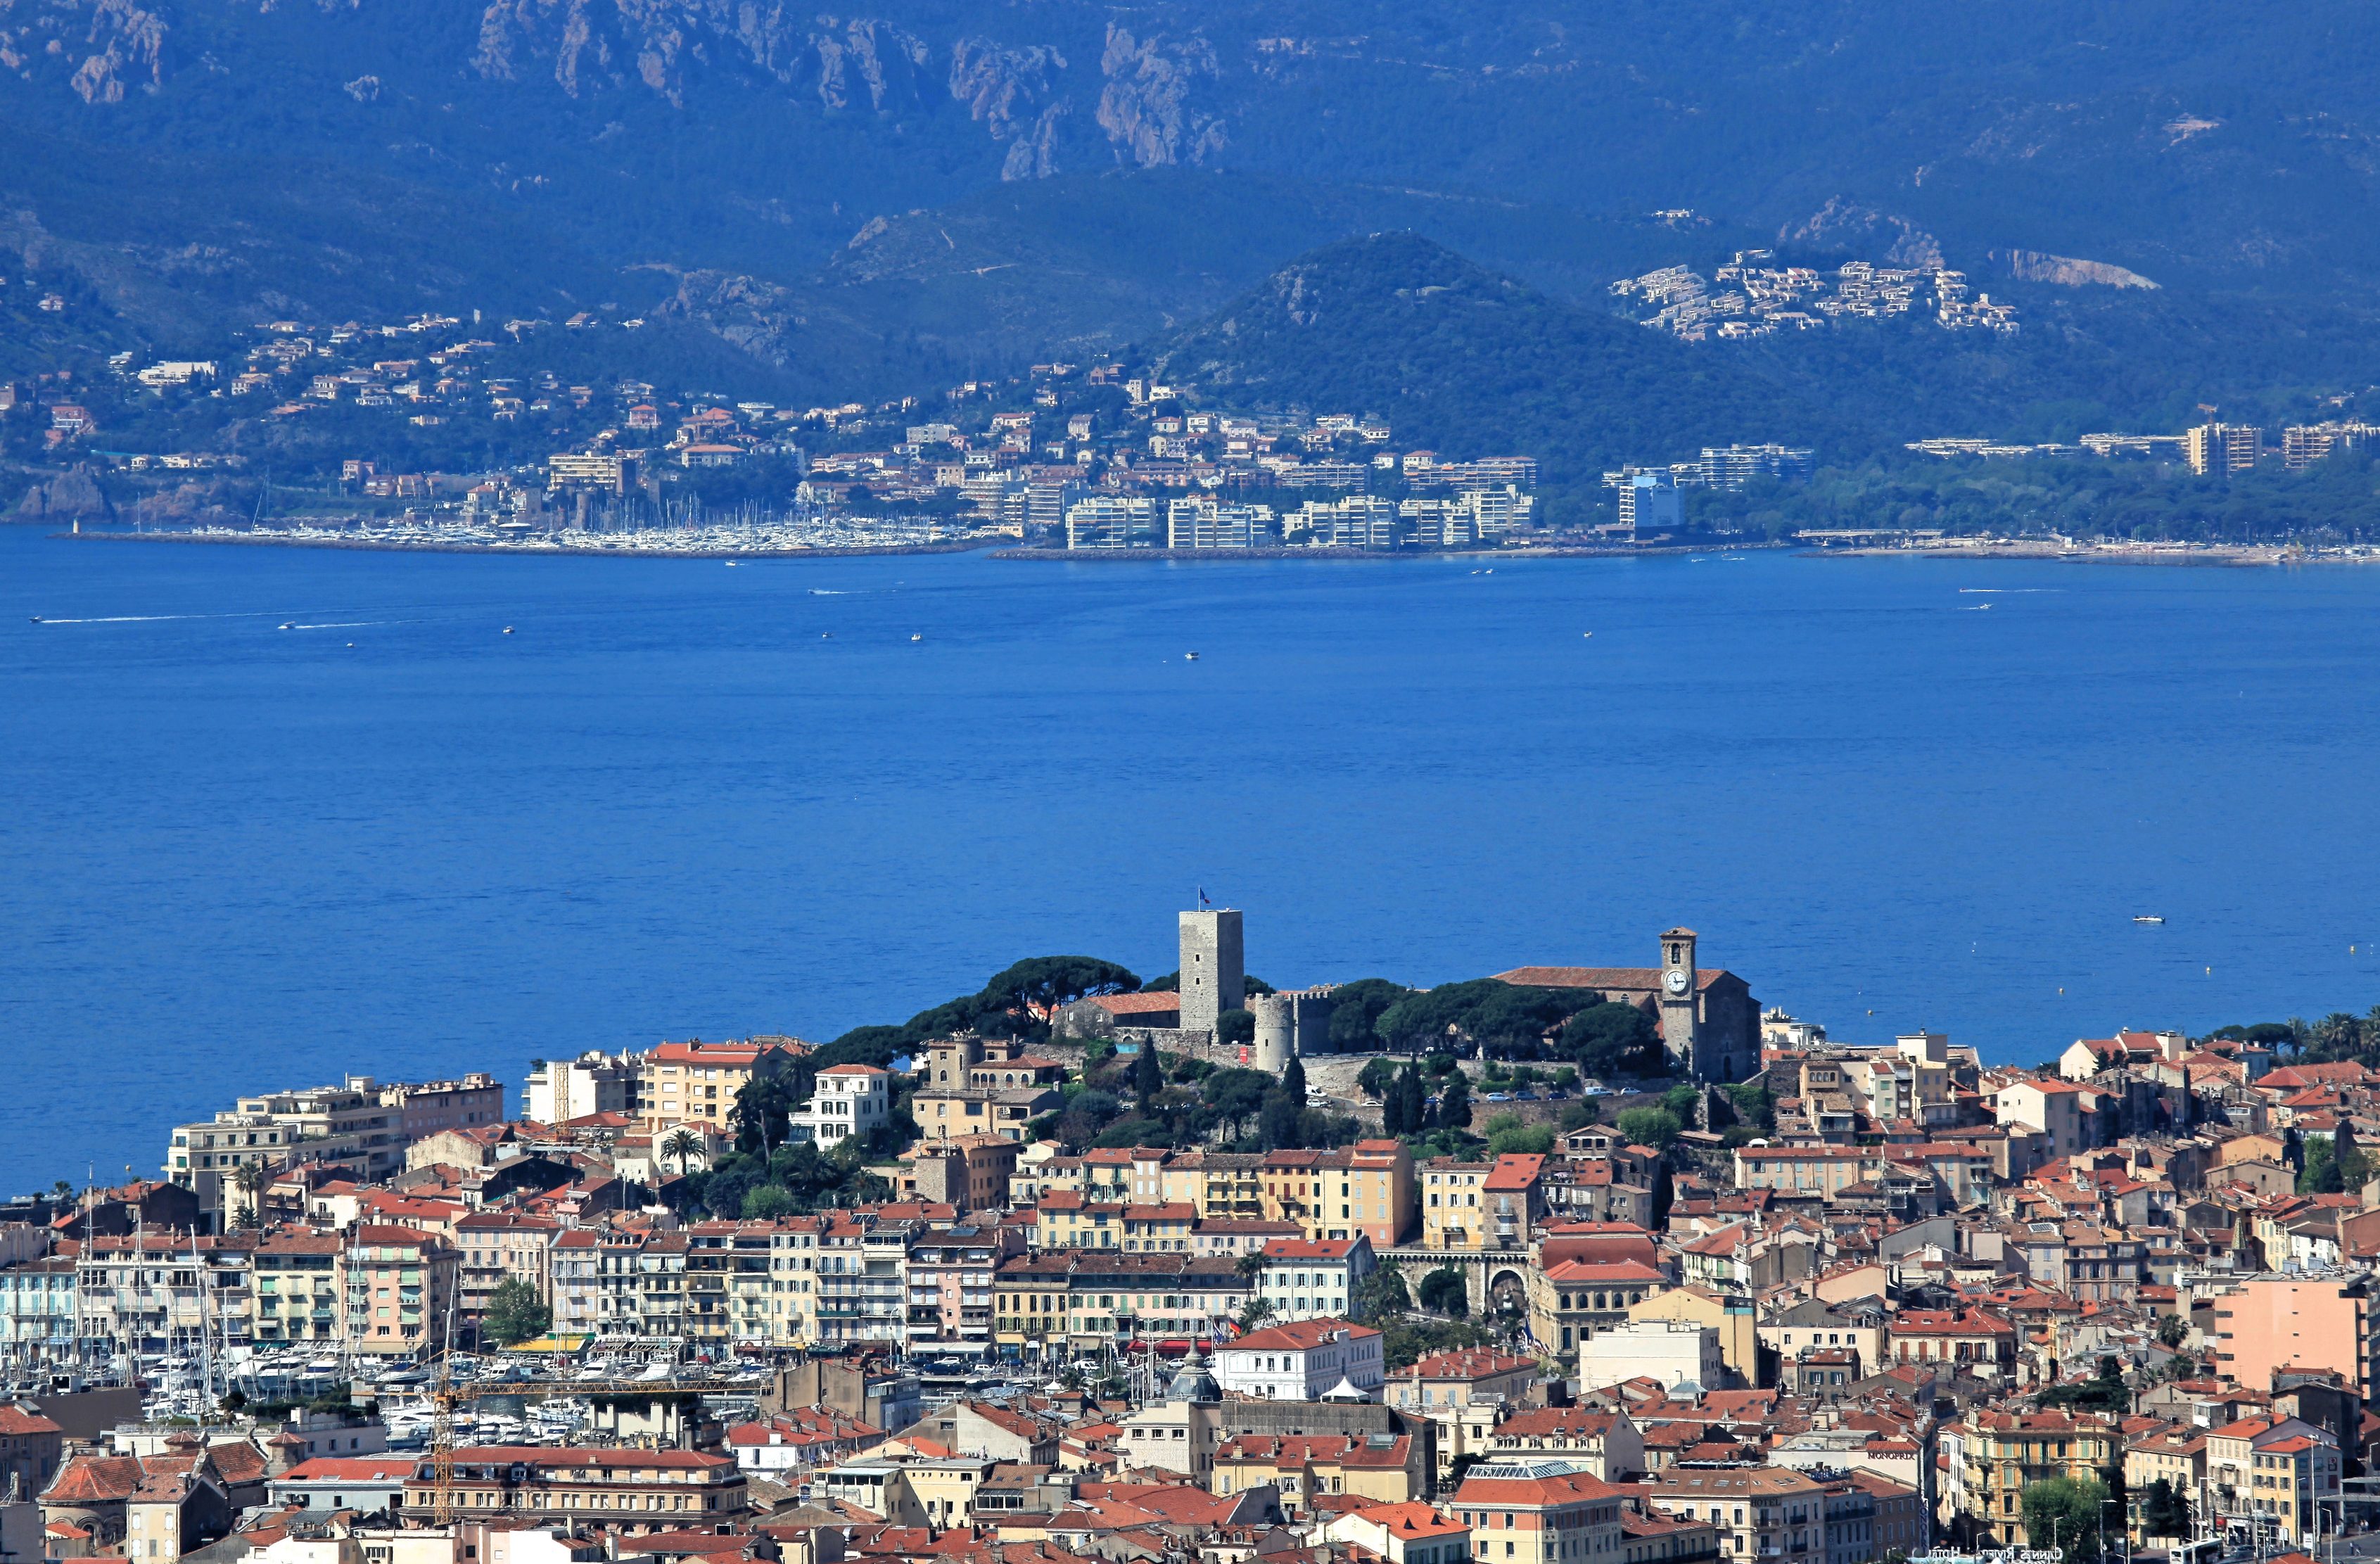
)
(398, 1286)
(2316, 1323)
(298, 1286)
(696, 1082)
(359, 1124)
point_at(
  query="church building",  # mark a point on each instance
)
(1710, 1022)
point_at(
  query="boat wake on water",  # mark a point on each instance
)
(163, 618)
(138, 618)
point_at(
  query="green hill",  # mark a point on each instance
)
(1469, 362)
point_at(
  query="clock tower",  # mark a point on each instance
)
(1680, 1000)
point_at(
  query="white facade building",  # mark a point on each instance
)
(563, 1089)
(1112, 521)
(1316, 1279)
(1303, 1360)
(851, 1100)
(1203, 522)
(1672, 1351)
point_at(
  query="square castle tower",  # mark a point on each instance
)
(1214, 974)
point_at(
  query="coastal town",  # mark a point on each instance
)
(1565, 1262)
(498, 435)
(1072, 457)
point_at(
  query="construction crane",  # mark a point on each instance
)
(441, 1428)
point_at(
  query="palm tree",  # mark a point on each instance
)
(682, 1144)
(2338, 1033)
(761, 1100)
(251, 1178)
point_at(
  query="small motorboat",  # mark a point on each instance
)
(2146, 917)
(917, 637)
(1189, 657)
(508, 629)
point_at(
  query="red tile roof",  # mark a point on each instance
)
(1514, 1171)
(1470, 1363)
(1302, 1335)
(1412, 1520)
(1642, 979)
(352, 1469)
(1138, 1004)
(1578, 1487)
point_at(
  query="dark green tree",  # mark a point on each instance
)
(1042, 985)
(1379, 1296)
(1147, 1077)
(1756, 1106)
(1355, 1007)
(515, 1312)
(2162, 1514)
(1455, 1102)
(1656, 1127)
(1133, 1132)
(1375, 1077)
(1235, 1095)
(1016, 1002)
(2328, 1170)
(1445, 1291)
(767, 1203)
(1235, 1028)
(764, 1107)
(1500, 1018)
(1405, 1110)
(1611, 1039)
(2065, 1512)
(1280, 1121)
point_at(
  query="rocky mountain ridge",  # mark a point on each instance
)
(216, 158)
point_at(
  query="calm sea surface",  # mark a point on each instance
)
(390, 838)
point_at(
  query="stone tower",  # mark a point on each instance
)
(1213, 978)
(1680, 1000)
(1276, 1032)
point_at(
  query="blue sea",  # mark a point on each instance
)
(275, 814)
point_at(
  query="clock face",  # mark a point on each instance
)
(1675, 982)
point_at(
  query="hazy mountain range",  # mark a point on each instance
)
(848, 200)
